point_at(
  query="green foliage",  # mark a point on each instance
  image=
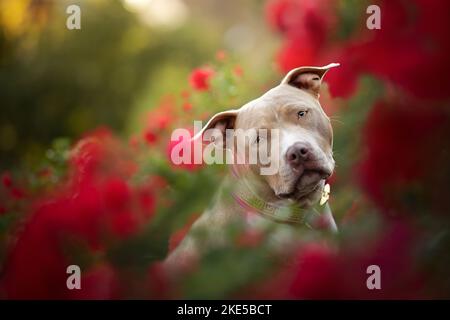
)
(65, 83)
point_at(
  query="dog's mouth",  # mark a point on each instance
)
(306, 184)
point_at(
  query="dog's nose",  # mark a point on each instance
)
(298, 153)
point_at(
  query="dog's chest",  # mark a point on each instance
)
(279, 234)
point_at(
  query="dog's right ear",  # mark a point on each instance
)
(308, 78)
(215, 129)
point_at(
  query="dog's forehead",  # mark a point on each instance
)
(284, 94)
(262, 111)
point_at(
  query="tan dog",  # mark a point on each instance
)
(303, 151)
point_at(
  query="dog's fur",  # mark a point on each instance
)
(296, 181)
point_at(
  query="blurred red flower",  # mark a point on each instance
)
(147, 200)
(99, 282)
(343, 82)
(403, 142)
(36, 266)
(6, 179)
(221, 55)
(238, 71)
(307, 20)
(307, 26)
(200, 77)
(159, 120)
(318, 271)
(294, 54)
(316, 274)
(17, 193)
(150, 137)
(409, 50)
(276, 13)
(96, 208)
(250, 238)
(187, 106)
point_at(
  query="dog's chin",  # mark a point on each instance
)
(309, 197)
(306, 189)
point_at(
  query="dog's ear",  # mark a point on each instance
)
(215, 128)
(308, 78)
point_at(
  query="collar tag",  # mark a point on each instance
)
(325, 194)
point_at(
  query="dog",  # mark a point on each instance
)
(304, 153)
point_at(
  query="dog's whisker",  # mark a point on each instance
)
(337, 120)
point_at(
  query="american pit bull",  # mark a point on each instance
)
(299, 138)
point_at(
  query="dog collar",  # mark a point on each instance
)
(291, 213)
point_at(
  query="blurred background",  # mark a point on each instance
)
(60, 83)
(85, 123)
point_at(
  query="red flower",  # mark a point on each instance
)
(98, 282)
(134, 142)
(343, 82)
(163, 121)
(158, 282)
(294, 54)
(307, 25)
(147, 201)
(187, 106)
(316, 274)
(92, 157)
(59, 224)
(159, 119)
(250, 238)
(408, 49)
(199, 78)
(318, 271)
(87, 156)
(96, 208)
(6, 179)
(116, 194)
(150, 137)
(17, 193)
(402, 142)
(221, 55)
(238, 71)
(124, 224)
(277, 12)
(37, 246)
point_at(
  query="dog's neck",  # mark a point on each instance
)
(250, 193)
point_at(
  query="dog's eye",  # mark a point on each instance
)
(302, 113)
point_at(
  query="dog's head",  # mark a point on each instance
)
(302, 145)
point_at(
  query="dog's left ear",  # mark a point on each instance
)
(308, 78)
(215, 128)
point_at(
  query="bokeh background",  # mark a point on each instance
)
(86, 117)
